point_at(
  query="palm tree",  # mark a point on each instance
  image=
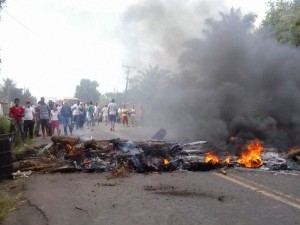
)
(149, 81)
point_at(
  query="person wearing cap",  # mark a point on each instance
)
(29, 115)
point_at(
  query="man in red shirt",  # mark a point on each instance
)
(16, 112)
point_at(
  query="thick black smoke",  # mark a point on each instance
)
(233, 81)
(250, 82)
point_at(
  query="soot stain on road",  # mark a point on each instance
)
(170, 190)
(185, 193)
(160, 187)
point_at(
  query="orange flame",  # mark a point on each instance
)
(166, 162)
(211, 158)
(227, 160)
(69, 149)
(251, 158)
(85, 163)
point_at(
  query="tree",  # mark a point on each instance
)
(87, 91)
(148, 82)
(9, 91)
(1, 3)
(107, 97)
(283, 19)
(26, 96)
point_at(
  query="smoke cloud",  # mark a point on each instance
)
(231, 79)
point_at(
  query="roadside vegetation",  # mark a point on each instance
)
(10, 193)
(10, 190)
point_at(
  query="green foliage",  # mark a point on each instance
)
(4, 125)
(283, 18)
(9, 91)
(148, 82)
(6, 203)
(10, 194)
(107, 97)
(87, 91)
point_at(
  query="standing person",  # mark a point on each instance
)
(16, 112)
(112, 114)
(119, 114)
(51, 105)
(125, 116)
(132, 115)
(58, 106)
(90, 115)
(37, 121)
(54, 121)
(44, 116)
(76, 111)
(104, 113)
(97, 115)
(66, 113)
(81, 115)
(29, 116)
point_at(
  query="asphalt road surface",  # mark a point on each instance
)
(241, 197)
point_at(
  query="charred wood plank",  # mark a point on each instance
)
(66, 169)
(65, 140)
(293, 154)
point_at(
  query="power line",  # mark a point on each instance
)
(19, 21)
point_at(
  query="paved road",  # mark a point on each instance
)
(241, 197)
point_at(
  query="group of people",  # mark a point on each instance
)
(135, 116)
(30, 120)
(47, 117)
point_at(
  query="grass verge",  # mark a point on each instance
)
(10, 193)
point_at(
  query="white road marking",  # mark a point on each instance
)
(286, 199)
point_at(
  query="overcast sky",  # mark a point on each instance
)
(49, 46)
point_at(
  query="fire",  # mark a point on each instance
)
(292, 149)
(166, 162)
(227, 160)
(211, 158)
(69, 149)
(85, 163)
(251, 158)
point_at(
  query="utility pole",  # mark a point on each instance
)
(127, 78)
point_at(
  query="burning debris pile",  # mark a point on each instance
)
(70, 154)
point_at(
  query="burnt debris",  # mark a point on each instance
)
(118, 156)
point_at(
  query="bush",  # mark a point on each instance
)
(4, 125)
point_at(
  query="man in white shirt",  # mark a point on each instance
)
(97, 113)
(76, 111)
(29, 115)
(112, 114)
(105, 114)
